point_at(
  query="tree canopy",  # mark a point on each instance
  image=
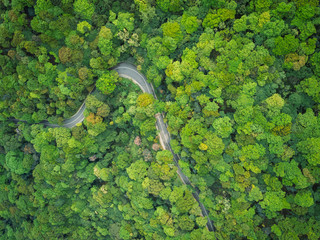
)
(236, 82)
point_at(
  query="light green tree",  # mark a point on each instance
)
(84, 27)
(223, 127)
(84, 8)
(304, 199)
(138, 170)
(311, 150)
(107, 82)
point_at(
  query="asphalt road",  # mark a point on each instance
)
(129, 71)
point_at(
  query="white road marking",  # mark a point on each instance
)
(78, 109)
(134, 81)
(75, 120)
(144, 79)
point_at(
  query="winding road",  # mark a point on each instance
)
(130, 71)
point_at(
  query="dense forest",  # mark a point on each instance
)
(237, 81)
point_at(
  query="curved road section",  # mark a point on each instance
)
(129, 71)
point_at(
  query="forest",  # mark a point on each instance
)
(238, 83)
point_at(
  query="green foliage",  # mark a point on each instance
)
(310, 149)
(291, 174)
(84, 27)
(304, 199)
(173, 30)
(255, 194)
(122, 21)
(274, 201)
(107, 82)
(164, 157)
(223, 127)
(190, 23)
(144, 100)
(236, 81)
(315, 61)
(137, 170)
(18, 163)
(285, 45)
(84, 8)
(185, 223)
(214, 18)
(172, 6)
(307, 125)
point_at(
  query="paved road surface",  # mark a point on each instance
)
(129, 71)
